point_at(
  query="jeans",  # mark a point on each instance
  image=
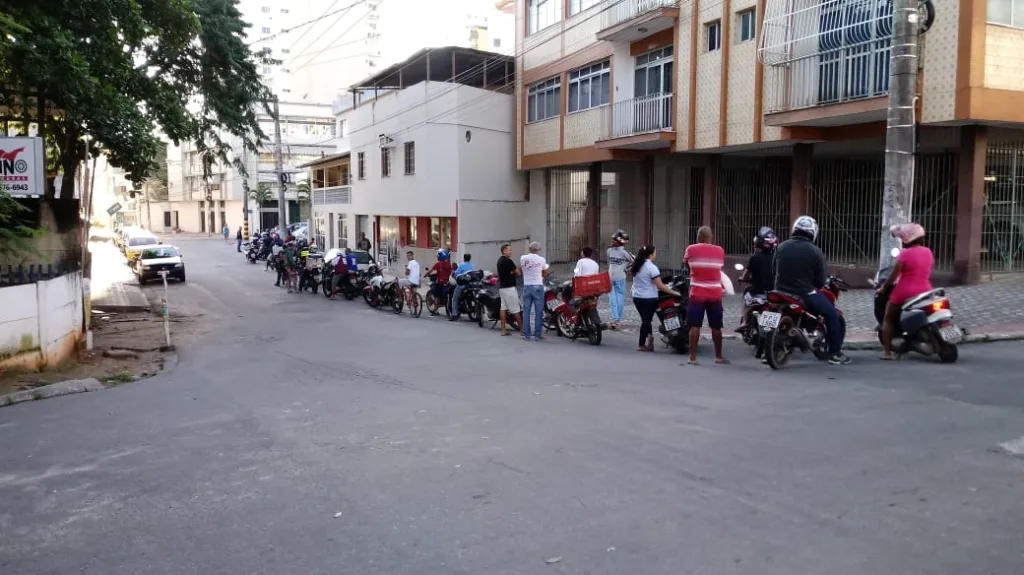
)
(819, 304)
(618, 298)
(533, 296)
(646, 308)
(239, 245)
(455, 300)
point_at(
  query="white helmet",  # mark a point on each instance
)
(807, 225)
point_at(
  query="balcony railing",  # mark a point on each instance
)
(817, 55)
(640, 115)
(329, 196)
(626, 10)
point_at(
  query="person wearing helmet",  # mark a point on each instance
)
(800, 269)
(759, 270)
(911, 275)
(443, 272)
(619, 260)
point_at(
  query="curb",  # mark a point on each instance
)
(52, 390)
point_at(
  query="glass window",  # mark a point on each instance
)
(266, 30)
(265, 9)
(542, 100)
(361, 165)
(748, 25)
(385, 162)
(410, 158)
(713, 35)
(541, 13)
(1008, 12)
(412, 231)
(577, 6)
(589, 87)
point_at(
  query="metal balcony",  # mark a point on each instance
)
(631, 20)
(644, 122)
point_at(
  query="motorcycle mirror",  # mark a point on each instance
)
(739, 267)
(895, 252)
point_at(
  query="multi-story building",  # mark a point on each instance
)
(427, 163)
(658, 116)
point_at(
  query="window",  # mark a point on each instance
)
(541, 13)
(1008, 12)
(410, 158)
(497, 42)
(266, 30)
(343, 128)
(412, 232)
(440, 232)
(589, 87)
(385, 162)
(577, 6)
(266, 69)
(748, 25)
(284, 10)
(361, 165)
(265, 9)
(285, 51)
(542, 100)
(286, 70)
(713, 35)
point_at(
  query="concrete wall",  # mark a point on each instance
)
(1004, 58)
(40, 324)
(542, 137)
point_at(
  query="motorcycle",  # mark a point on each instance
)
(750, 332)
(671, 312)
(925, 324)
(786, 325)
(311, 275)
(380, 293)
(551, 303)
(488, 303)
(432, 305)
(472, 282)
(577, 317)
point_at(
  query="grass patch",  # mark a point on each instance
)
(122, 377)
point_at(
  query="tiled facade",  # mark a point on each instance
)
(1004, 59)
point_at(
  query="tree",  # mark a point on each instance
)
(14, 233)
(123, 72)
(262, 194)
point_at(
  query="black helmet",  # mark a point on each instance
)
(766, 239)
(620, 237)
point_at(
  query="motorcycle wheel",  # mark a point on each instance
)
(416, 305)
(397, 302)
(479, 314)
(371, 299)
(326, 288)
(777, 347)
(314, 287)
(563, 325)
(349, 294)
(432, 304)
(681, 342)
(472, 311)
(948, 353)
(593, 327)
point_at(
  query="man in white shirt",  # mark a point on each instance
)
(412, 273)
(587, 266)
(534, 268)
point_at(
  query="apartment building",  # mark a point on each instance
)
(426, 161)
(658, 116)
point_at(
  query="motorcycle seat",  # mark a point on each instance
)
(784, 297)
(910, 303)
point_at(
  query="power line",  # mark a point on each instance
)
(325, 31)
(304, 24)
(332, 45)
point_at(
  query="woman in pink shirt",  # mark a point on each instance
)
(911, 274)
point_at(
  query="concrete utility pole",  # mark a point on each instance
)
(900, 134)
(245, 193)
(282, 207)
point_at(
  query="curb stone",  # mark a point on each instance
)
(53, 390)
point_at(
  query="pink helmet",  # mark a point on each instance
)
(907, 233)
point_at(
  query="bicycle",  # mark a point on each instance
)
(413, 300)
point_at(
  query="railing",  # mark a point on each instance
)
(820, 53)
(640, 115)
(626, 10)
(335, 195)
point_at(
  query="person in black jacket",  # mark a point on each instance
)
(800, 270)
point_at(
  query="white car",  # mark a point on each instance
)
(155, 259)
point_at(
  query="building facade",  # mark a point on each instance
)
(658, 116)
(427, 163)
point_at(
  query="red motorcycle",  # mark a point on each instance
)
(577, 316)
(786, 325)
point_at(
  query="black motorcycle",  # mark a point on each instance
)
(381, 293)
(310, 274)
(674, 330)
(472, 282)
(350, 286)
(488, 305)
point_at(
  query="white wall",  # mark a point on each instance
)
(41, 324)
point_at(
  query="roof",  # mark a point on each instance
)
(448, 64)
(325, 159)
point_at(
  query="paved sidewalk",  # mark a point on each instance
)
(113, 287)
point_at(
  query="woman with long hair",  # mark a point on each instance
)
(911, 274)
(646, 285)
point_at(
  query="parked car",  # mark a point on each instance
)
(137, 242)
(154, 259)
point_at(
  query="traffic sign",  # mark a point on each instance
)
(114, 209)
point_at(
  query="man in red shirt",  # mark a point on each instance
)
(705, 261)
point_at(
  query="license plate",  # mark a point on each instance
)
(950, 334)
(671, 323)
(770, 319)
(552, 304)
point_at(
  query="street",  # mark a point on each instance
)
(304, 436)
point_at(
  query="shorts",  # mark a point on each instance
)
(406, 283)
(696, 310)
(438, 290)
(510, 300)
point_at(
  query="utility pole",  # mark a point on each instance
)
(245, 193)
(900, 133)
(282, 207)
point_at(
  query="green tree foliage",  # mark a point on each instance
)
(15, 235)
(125, 71)
(262, 194)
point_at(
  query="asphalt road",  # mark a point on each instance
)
(303, 436)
